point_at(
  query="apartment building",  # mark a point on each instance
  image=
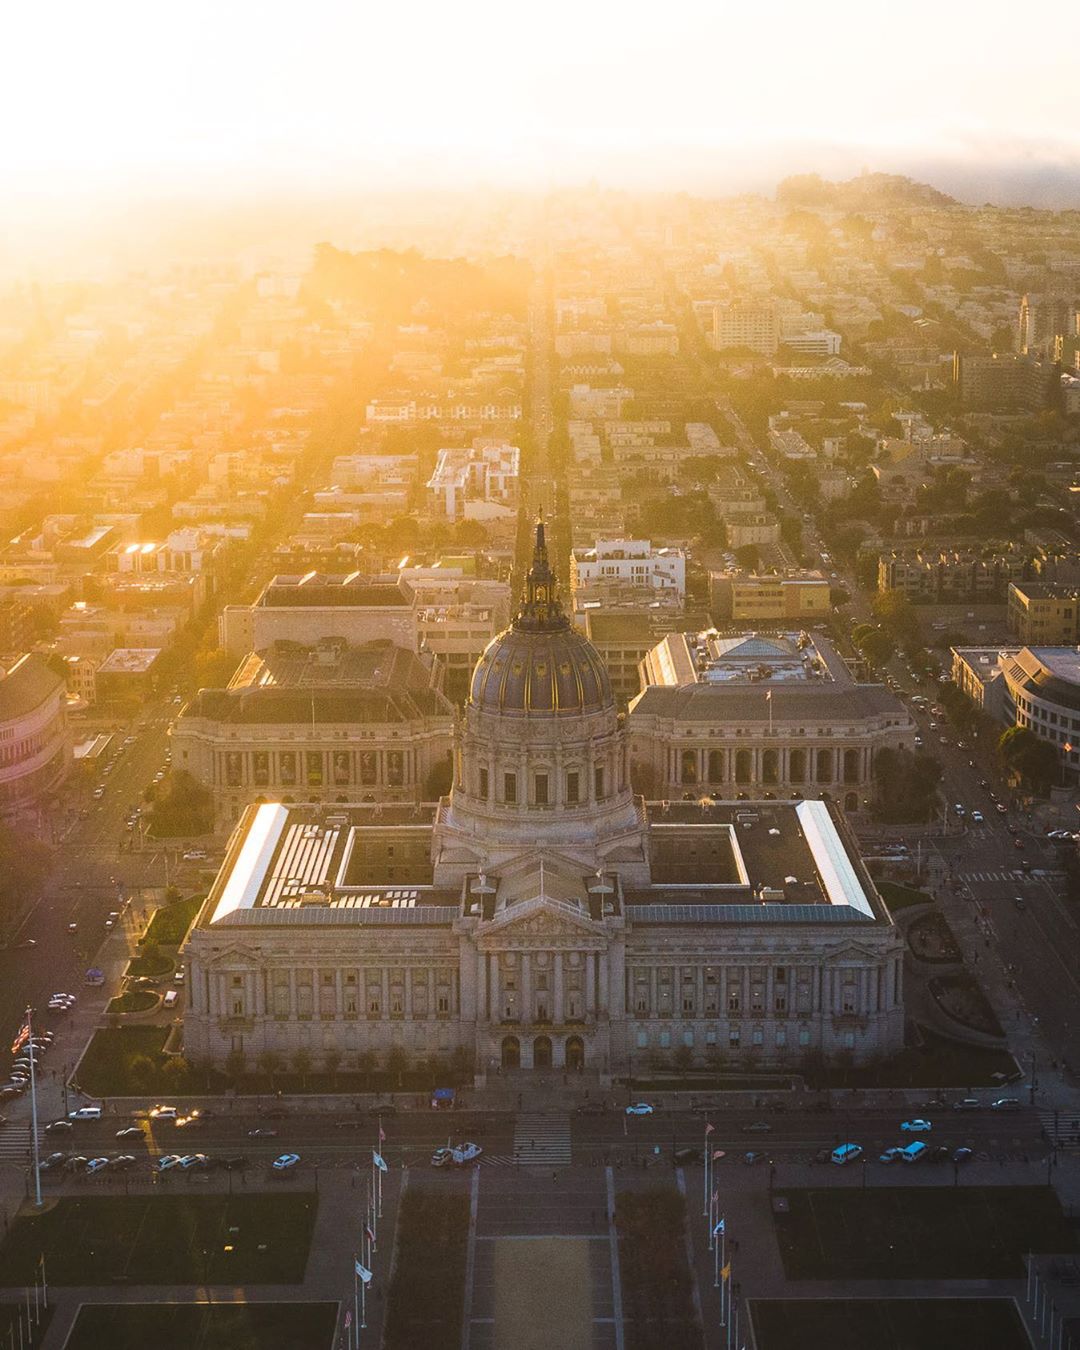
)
(740, 597)
(1044, 613)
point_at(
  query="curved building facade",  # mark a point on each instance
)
(35, 744)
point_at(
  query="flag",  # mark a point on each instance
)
(709, 1128)
(718, 1155)
(768, 697)
(725, 1274)
(719, 1227)
(382, 1135)
(369, 1233)
(348, 1319)
(715, 1196)
(379, 1161)
(363, 1272)
(22, 1037)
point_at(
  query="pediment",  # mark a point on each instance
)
(538, 923)
(852, 951)
(234, 952)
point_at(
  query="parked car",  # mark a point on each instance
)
(286, 1162)
(167, 1161)
(639, 1109)
(962, 1155)
(58, 1126)
(129, 1132)
(123, 1161)
(260, 1133)
(53, 1161)
(96, 1165)
(890, 1155)
(85, 1113)
(760, 1127)
(1006, 1104)
(754, 1156)
(914, 1152)
(192, 1160)
(967, 1104)
(916, 1126)
(846, 1153)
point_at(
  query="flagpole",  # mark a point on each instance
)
(33, 1109)
(705, 1196)
(356, 1318)
(716, 1266)
(723, 1264)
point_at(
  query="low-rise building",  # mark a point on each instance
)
(321, 723)
(1044, 613)
(319, 605)
(940, 575)
(467, 476)
(1042, 687)
(740, 597)
(759, 713)
(622, 569)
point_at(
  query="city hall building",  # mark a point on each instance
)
(542, 915)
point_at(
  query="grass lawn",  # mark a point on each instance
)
(103, 1070)
(150, 964)
(427, 1293)
(901, 897)
(133, 1001)
(169, 925)
(947, 1233)
(222, 1326)
(888, 1324)
(161, 1239)
(657, 1291)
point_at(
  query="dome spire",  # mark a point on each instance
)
(540, 610)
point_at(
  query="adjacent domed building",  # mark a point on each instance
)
(542, 753)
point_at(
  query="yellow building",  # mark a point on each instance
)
(736, 597)
(1043, 614)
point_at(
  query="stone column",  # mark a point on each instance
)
(613, 991)
(408, 978)
(526, 988)
(557, 1015)
(431, 992)
(603, 991)
(385, 991)
(590, 983)
(294, 1006)
(654, 1006)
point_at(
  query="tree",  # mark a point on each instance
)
(748, 556)
(212, 669)
(332, 1063)
(270, 1063)
(397, 1063)
(176, 1071)
(874, 644)
(366, 1063)
(181, 807)
(1029, 758)
(683, 1058)
(906, 786)
(235, 1063)
(141, 1071)
(301, 1062)
(897, 615)
(462, 1063)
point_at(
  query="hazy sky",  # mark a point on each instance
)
(157, 93)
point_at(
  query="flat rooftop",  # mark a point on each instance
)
(726, 862)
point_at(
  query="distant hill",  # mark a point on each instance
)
(867, 190)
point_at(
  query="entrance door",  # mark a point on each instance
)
(511, 1053)
(575, 1052)
(542, 1052)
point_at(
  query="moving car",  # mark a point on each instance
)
(163, 1113)
(129, 1132)
(85, 1113)
(53, 1161)
(1006, 1104)
(456, 1156)
(58, 1126)
(976, 817)
(967, 1104)
(846, 1153)
(760, 1127)
(917, 1126)
(754, 1156)
(260, 1133)
(962, 1155)
(286, 1162)
(639, 1109)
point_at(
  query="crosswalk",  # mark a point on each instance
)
(542, 1139)
(1062, 1128)
(1014, 875)
(15, 1143)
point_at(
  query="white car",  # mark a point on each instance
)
(286, 1162)
(194, 855)
(639, 1109)
(976, 817)
(846, 1153)
(916, 1126)
(85, 1113)
(168, 1161)
(192, 1160)
(96, 1165)
(163, 1113)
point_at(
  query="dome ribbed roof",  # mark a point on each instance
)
(540, 673)
(541, 664)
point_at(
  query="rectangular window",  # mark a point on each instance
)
(804, 1035)
(665, 1040)
(598, 782)
(510, 787)
(780, 1003)
(733, 1037)
(484, 784)
(759, 1036)
(688, 1003)
(688, 1038)
(781, 1037)
(733, 1002)
(572, 788)
(444, 1003)
(642, 1040)
(541, 789)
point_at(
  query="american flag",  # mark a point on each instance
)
(708, 1130)
(348, 1319)
(382, 1135)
